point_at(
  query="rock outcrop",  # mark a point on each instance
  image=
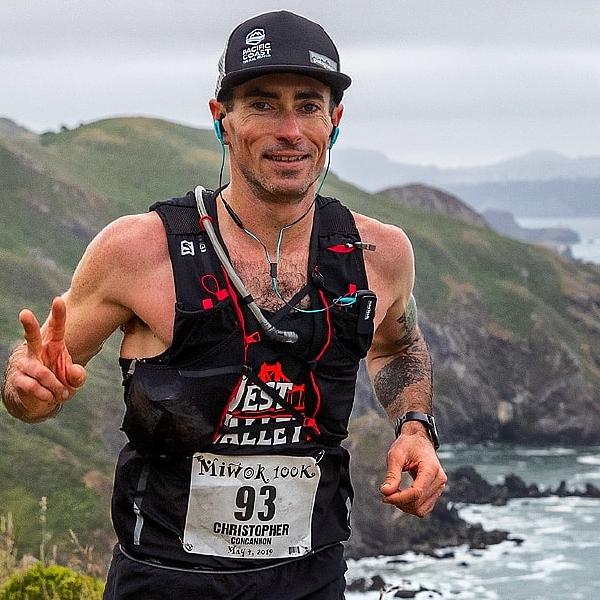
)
(433, 200)
(491, 385)
(466, 485)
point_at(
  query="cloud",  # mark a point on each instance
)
(432, 81)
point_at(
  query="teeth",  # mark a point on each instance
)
(287, 158)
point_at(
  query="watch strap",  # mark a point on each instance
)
(425, 418)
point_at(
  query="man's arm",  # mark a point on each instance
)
(42, 373)
(400, 368)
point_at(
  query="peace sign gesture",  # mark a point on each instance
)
(41, 373)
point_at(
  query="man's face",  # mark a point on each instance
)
(278, 134)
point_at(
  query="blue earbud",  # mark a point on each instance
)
(218, 130)
(335, 132)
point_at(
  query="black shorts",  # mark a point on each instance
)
(319, 576)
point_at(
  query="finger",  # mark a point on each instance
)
(416, 500)
(56, 323)
(47, 379)
(32, 333)
(412, 503)
(418, 509)
(26, 386)
(391, 483)
(424, 477)
(404, 498)
(76, 375)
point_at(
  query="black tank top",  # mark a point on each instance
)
(224, 424)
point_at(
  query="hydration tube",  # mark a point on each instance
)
(279, 335)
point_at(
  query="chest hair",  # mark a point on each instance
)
(255, 275)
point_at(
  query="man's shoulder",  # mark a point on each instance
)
(390, 240)
(130, 240)
(393, 258)
(131, 227)
(138, 237)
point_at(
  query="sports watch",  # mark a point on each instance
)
(424, 418)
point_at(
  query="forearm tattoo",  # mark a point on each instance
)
(405, 383)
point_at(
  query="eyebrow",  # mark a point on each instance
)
(308, 94)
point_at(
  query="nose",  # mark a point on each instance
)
(288, 128)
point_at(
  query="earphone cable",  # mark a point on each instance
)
(273, 266)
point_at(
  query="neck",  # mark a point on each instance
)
(265, 216)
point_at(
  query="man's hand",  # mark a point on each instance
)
(41, 372)
(413, 452)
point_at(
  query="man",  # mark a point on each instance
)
(244, 319)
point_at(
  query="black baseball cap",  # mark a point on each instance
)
(280, 42)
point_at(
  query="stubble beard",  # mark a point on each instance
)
(269, 191)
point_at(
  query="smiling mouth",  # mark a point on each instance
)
(286, 159)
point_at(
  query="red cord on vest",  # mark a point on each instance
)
(342, 248)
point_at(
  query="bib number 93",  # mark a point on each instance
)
(245, 499)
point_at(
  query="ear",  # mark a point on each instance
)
(217, 110)
(218, 113)
(336, 115)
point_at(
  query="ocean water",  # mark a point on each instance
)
(588, 228)
(554, 550)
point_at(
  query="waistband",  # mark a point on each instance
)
(159, 564)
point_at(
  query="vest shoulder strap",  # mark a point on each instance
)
(190, 251)
(340, 263)
(179, 215)
(335, 219)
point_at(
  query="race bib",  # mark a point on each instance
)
(251, 506)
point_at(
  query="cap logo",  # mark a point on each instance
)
(257, 47)
(256, 36)
(322, 61)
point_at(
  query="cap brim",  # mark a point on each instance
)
(335, 80)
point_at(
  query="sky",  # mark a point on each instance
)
(445, 82)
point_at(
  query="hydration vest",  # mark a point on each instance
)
(234, 458)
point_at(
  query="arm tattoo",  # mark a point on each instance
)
(408, 324)
(405, 383)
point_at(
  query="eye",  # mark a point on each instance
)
(260, 105)
(311, 107)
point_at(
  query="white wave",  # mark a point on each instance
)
(561, 508)
(554, 563)
(589, 459)
(584, 477)
(588, 519)
(446, 455)
(545, 451)
(556, 530)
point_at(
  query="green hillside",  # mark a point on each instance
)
(58, 189)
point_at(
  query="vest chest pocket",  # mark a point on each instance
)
(347, 337)
(199, 333)
(175, 411)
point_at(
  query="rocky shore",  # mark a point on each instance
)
(439, 533)
(465, 485)
(379, 529)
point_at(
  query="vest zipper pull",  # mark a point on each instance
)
(131, 369)
(365, 246)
